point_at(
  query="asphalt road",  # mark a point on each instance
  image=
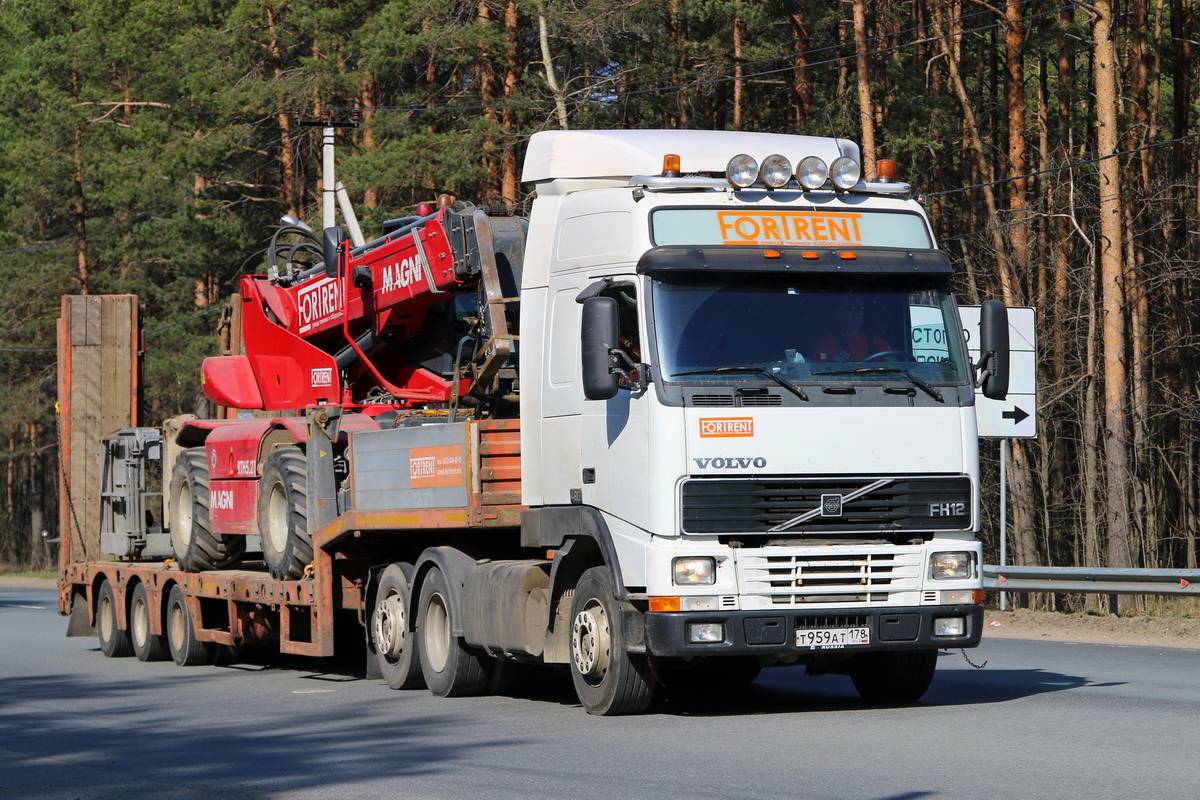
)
(1040, 720)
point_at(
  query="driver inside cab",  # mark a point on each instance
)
(849, 340)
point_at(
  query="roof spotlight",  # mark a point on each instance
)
(776, 171)
(742, 171)
(845, 173)
(812, 172)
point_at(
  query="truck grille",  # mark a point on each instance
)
(770, 577)
(757, 505)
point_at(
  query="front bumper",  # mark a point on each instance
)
(766, 633)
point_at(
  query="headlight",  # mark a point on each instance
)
(812, 172)
(776, 171)
(845, 173)
(742, 171)
(695, 571)
(952, 566)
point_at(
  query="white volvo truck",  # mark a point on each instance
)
(736, 429)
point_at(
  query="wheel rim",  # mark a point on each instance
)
(436, 638)
(277, 519)
(106, 621)
(390, 627)
(181, 527)
(176, 626)
(139, 622)
(591, 642)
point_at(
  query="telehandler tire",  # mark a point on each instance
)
(196, 547)
(283, 514)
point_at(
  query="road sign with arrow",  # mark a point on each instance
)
(1015, 417)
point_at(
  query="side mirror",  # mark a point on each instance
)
(598, 337)
(993, 350)
(331, 242)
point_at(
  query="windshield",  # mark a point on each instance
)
(807, 328)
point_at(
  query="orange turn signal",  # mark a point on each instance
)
(664, 604)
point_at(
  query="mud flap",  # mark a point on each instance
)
(78, 623)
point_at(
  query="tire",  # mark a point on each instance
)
(196, 547)
(393, 640)
(608, 680)
(186, 650)
(449, 666)
(283, 514)
(894, 676)
(146, 646)
(114, 642)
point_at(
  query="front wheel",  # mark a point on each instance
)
(283, 514)
(608, 680)
(894, 676)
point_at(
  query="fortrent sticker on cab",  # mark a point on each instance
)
(726, 427)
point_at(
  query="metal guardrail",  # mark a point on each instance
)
(1093, 580)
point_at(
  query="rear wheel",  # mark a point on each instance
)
(608, 680)
(392, 637)
(894, 676)
(186, 649)
(146, 646)
(114, 642)
(450, 667)
(283, 514)
(196, 547)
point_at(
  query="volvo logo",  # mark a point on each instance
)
(831, 505)
(731, 463)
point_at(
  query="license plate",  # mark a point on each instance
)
(832, 638)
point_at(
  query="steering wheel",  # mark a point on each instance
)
(884, 354)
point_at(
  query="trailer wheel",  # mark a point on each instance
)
(392, 638)
(894, 676)
(608, 680)
(186, 650)
(283, 514)
(196, 547)
(146, 646)
(114, 642)
(450, 667)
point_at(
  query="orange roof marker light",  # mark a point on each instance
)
(772, 254)
(847, 255)
(810, 254)
(671, 166)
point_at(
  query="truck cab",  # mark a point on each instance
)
(755, 387)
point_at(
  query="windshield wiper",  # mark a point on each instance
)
(922, 385)
(791, 387)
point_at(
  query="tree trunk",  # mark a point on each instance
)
(1112, 292)
(866, 110)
